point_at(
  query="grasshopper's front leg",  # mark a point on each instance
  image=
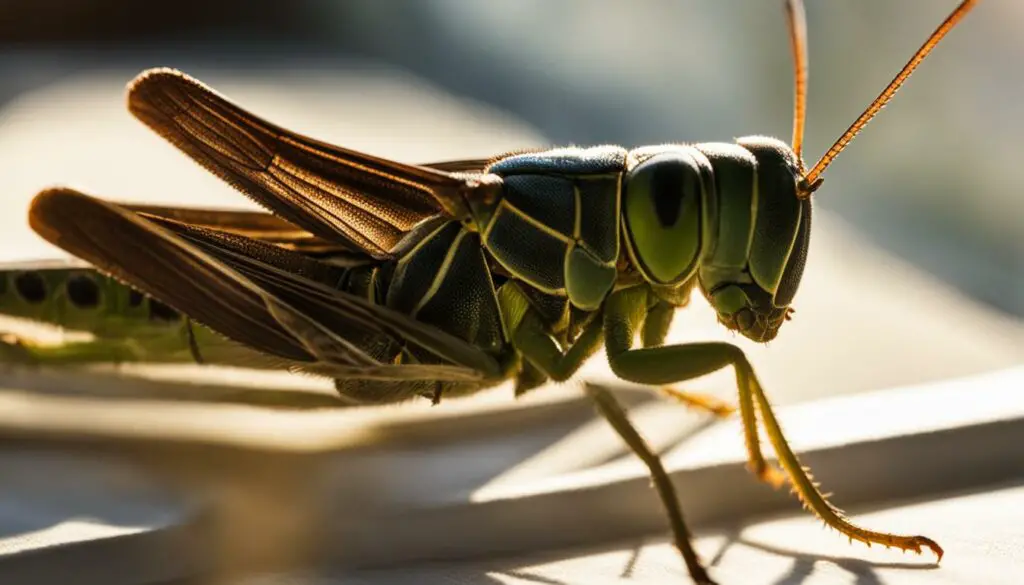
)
(529, 334)
(657, 320)
(532, 339)
(625, 311)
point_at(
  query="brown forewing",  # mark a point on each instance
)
(261, 295)
(257, 225)
(330, 191)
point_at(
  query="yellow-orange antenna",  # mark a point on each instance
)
(797, 20)
(812, 179)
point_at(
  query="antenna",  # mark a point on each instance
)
(812, 179)
(797, 21)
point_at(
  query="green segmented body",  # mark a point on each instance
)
(127, 325)
(76, 296)
(730, 211)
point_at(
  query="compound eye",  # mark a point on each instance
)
(662, 210)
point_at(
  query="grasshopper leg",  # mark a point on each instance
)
(698, 401)
(659, 366)
(193, 345)
(657, 321)
(616, 416)
(19, 350)
(676, 363)
(536, 344)
(530, 336)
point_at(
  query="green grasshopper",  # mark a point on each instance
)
(402, 281)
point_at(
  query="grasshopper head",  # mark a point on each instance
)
(754, 300)
(753, 297)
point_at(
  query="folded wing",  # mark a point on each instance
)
(332, 192)
(274, 300)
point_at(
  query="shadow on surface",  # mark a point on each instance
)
(804, 564)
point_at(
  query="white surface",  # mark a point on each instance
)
(789, 551)
(979, 531)
(59, 511)
(382, 517)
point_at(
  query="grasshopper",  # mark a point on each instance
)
(402, 281)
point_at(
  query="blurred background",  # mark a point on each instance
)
(932, 180)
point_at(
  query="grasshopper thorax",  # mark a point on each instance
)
(727, 216)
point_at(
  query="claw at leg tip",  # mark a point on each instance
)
(932, 546)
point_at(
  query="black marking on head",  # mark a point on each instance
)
(31, 287)
(161, 312)
(82, 291)
(3, 284)
(135, 298)
(669, 186)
